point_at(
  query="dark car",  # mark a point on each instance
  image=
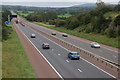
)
(45, 46)
(65, 35)
(22, 24)
(53, 33)
(74, 55)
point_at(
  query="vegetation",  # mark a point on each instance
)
(94, 21)
(102, 21)
(64, 15)
(6, 30)
(42, 16)
(15, 62)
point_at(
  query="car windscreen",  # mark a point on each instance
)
(75, 53)
(96, 43)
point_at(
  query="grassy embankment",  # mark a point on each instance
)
(15, 63)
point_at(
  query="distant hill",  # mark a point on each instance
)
(86, 5)
(89, 5)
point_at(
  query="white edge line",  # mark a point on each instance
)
(82, 58)
(43, 56)
(67, 61)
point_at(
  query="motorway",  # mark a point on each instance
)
(102, 52)
(57, 56)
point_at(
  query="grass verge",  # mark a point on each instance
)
(15, 63)
(93, 37)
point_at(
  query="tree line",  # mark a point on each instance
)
(5, 29)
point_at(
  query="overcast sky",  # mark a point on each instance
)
(44, 3)
(58, 0)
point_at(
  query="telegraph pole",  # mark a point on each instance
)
(100, 3)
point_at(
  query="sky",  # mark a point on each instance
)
(58, 0)
(52, 3)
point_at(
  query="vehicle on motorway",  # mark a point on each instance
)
(22, 24)
(17, 21)
(65, 35)
(33, 36)
(95, 45)
(45, 46)
(73, 55)
(53, 33)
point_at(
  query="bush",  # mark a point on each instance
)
(51, 22)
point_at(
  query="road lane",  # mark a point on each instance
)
(67, 70)
(103, 52)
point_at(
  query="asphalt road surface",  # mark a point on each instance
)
(102, 52)
(57, 56)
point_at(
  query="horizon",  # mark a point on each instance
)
(48, 4)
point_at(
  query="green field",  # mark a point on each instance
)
(65, 15)
(93, 37)
(25, 14)
(15, 63)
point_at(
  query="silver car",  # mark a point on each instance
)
(32, 35)
(95, 45)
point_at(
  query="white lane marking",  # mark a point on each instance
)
(67, 61)
(110, 49)
(58, 54)
(79, 70)
(99, 68)
(52, 49)
(81, 57)
(43, 56)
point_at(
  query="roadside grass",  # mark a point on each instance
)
(93, 37)
(0, 60)
(15, 63)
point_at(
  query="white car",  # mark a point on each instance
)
(95, 45)
(65, 35)
(32, 35)
(53, 33)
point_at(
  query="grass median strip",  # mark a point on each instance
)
(15, 63)
(98, 38)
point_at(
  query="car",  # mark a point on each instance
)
(53, 33)
(22, 24)
(95, 45)
(33, 36)
(73, 55)
(17, 21)
(45, 46)
(65, 35)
